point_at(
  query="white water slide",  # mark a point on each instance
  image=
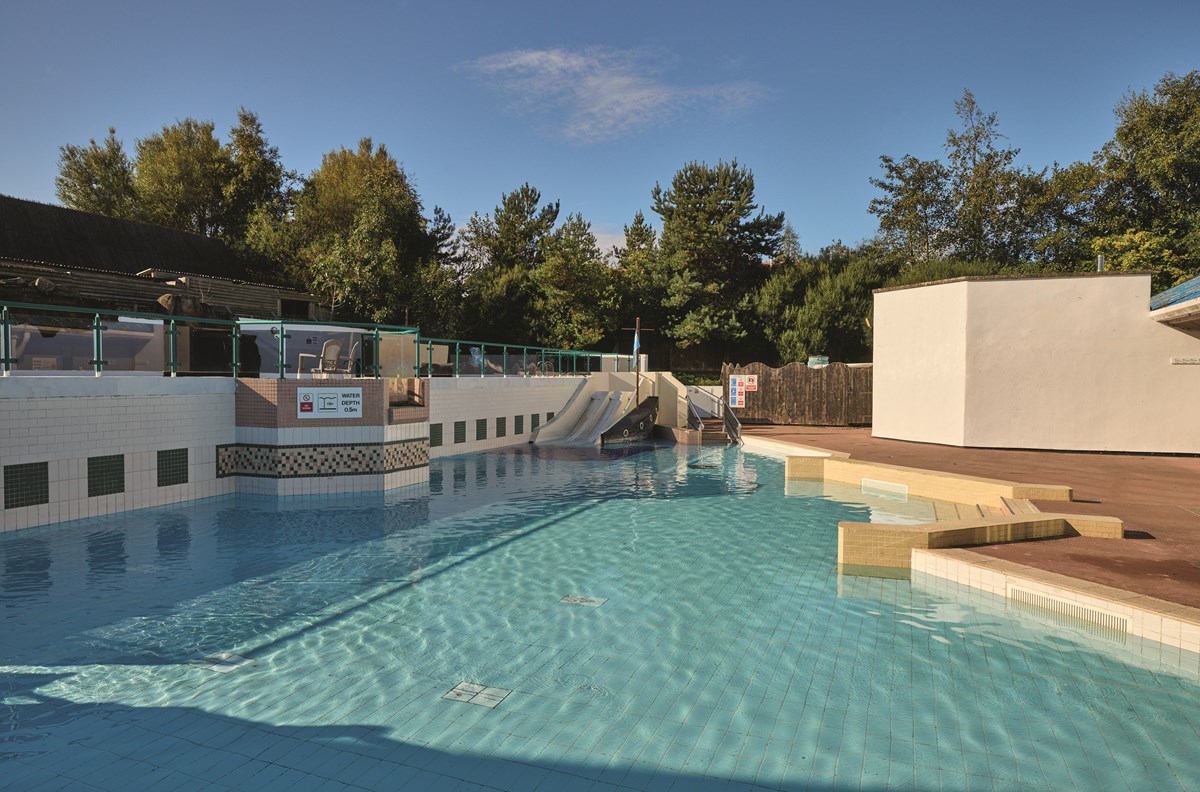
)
(601, 410)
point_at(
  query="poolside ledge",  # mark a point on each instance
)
(922, 483)
(877, 545)
(1004, 514)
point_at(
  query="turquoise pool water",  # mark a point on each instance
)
(706, 642)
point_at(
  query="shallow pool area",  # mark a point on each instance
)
(660, 617)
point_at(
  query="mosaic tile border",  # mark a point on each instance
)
(321, 459)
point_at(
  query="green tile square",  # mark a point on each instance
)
(460, 431)
(27, 484)
(481, 429)
(172, 467)
(106, 475)
(501, 426)
(435, 435)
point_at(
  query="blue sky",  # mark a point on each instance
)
(592, 103)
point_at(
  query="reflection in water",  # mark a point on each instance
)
(105, 556)
(174, 538)
(26, 568)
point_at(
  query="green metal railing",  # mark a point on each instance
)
(507, 360)
(469, 358)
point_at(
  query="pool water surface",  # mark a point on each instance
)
(655, 618)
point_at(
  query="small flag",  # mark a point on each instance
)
(637, 343)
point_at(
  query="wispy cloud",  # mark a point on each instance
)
(597, 94)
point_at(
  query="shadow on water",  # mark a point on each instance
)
(48, 742)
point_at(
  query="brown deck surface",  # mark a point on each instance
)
(1158, 498)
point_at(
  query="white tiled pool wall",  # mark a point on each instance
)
(1152, 620)
(470, 399)
(64, 421)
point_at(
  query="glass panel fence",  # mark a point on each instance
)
(134, 345)
(51, 343)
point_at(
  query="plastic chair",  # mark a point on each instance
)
(324, 363)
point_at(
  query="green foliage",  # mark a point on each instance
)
(359, 233)
(180, 177)
(942, 269)
(257, 180)
(97, 178)
(698, 377)
(1144, 251)
(575, 298)
(915, 212)
(1151, 172)
(711, 251)
(501, 251)
(834, 318)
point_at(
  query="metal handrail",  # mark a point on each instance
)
(733, 427)
(694, 421)
(542, 359)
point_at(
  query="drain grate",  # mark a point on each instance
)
(1110, 624)
(222, 662)
(473, 693)
(589, 602)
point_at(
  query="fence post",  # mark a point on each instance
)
(429, 361)
(524, 361)
(5, 344)
(504, 359)
(97, 360)
(482, 359)
(235, 335)
(172, 352)
(376, 366)
(281, 365)
(457, 345)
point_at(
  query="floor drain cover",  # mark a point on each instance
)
(482, 695)
(222, 662)
(591, 602)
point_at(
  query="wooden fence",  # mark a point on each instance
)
(835, 395)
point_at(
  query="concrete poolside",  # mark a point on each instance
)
(1157, 497)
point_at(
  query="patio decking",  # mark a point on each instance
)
(1157, 497)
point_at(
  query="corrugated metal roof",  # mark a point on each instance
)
(1188, 290)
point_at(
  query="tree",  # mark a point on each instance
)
(180, 176)
(1062, 216)
(575, 297)
(513, 235)
(359, 233)
(435, 288)
(915, 213)
(834, 318)
(1144, 251)
(1151, 172)
(257, 180)
(637, 272)
(97, 178)
(976, 206)
(711, 251)
(501, 251)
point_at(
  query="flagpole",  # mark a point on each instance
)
(637, 363)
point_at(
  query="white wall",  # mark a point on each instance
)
(920, 357)
(65, 420)
(468, 399)
(1070, 363)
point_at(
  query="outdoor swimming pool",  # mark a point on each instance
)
(705, 642)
